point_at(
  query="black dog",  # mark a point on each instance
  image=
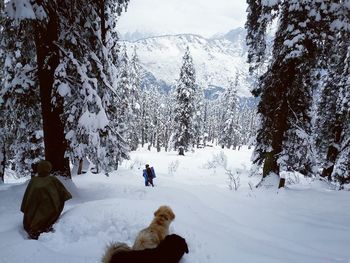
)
(170, 250)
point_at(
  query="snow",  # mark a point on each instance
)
(269, 3)
(20, 10)
(215, 60)
(63, 89)
(306, 222)
(92, 122)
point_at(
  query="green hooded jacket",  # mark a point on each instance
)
(43, 203)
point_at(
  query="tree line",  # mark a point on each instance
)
(183, 117)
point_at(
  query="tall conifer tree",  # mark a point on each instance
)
(75, 64)
(183, 135)
(286, 89)
(229, 127)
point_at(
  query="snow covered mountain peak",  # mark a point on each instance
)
(216, 60)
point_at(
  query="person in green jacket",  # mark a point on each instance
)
(43, 201)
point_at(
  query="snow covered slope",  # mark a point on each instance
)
(306, 222)
(216, 60)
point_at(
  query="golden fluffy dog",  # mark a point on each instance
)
(151, 236)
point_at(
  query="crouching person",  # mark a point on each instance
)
(43, 201)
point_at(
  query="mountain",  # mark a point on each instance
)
(136, 35)
(217, 60)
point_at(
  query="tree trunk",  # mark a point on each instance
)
(166, 140)
(80, 167)
(103, 22)
(2, 163)
(280, 123)
(158, 145)
(282, 183)
(270, 165)
(48, 60)
(142, 137)
(181, 150)
(333, 151)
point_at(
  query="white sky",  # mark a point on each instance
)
(203, 17)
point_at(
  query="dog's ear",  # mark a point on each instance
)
(185, 245)
(178, 241)
(186, 248)
(156, 212)
(171, 215)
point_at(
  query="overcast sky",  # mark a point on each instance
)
(203, 17)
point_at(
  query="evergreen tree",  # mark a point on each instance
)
(135, 89)
(285, 89)
(206, 124)
(214, 114)
(156, 118)
(167, 106)
(198, 118)
(158, 123)
(183, 135)
(147, 101)
(75, 64)
(247, 123)
(86, 79)
(229, 128)
(20, 136)
(332, 133)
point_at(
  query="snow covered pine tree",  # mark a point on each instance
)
(75, 68)
(183, 134)
(286, 88)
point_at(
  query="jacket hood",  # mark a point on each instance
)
(44, 168)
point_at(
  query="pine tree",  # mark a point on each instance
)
(183, 135)
(156, 122)
(206, 124)
(214, 115)
(248, 123)
(76, 60)
(2, 62)
(198, 118)
(167, 106)
(146, 125)
(332, 124)
(87, 81)
(229, 127)
(341, 132)
(135, 89)
(286, 88)
(20, 136)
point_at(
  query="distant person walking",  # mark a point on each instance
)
(149, 175)
(43, 201)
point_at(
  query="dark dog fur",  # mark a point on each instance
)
(170, 250)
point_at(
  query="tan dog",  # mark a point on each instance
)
(151, 236)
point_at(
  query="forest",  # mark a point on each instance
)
(69, 90)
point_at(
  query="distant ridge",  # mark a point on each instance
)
(217, 60)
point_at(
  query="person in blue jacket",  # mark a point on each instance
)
(149, 175)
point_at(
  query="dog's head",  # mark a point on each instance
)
(172, 248)
(164, 215)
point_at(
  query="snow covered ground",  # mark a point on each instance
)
(307, 222)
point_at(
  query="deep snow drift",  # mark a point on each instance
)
(307, 222)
